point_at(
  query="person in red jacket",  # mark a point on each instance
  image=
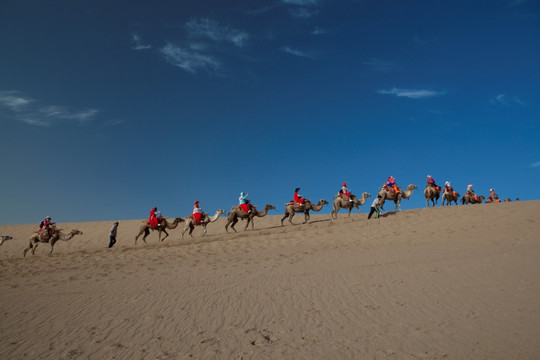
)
(197, 212)
(299, 199)
(153, 220)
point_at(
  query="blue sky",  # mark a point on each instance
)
(110, 108)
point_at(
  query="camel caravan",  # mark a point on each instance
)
(245, 211)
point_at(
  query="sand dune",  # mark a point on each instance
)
(455, 283)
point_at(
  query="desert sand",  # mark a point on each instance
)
(458, 282)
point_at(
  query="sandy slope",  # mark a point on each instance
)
(455, 283)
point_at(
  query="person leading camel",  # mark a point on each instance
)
(375, 207)
(243, 202)
(112, 234)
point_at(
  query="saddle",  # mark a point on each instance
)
(246, 207)
(45, 235)
(391, 189)
(297, 206)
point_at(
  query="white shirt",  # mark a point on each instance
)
(376, 203)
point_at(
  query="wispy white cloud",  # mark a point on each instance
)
(381, 65)
(13, 101)
(188, 59)
(33, 112)
(535, 164)
(319, 31)
(206, 28)
(411, 93)
(298, 53)
(303, 8)
(503, 99)
(138, 43)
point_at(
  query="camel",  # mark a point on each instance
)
(4, 238)
(387, 195)
(346, 204)
(432, 194)
(163, 225)
(57, 235)
(505, 200)
(469, 199)
(449, 197)
(205, 221)
(290, 210)
(237, 213)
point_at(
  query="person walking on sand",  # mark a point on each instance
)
(112, 234)
(375, 207)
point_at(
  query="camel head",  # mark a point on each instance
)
(366, 195)
(269, 207)
(221, 212)
(411, 187)
(323, 202)
(76, 232)
(4, 238)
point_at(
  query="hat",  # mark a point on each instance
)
(48, 217)
(297, 189)
(490, 189)
(447, 183)
(196, 202)
(429, 176)
(116, 222)
(345, 183)
(242, 194)
(154, 208)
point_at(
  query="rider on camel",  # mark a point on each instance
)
(345, 192)
(391, 183)
(298, 199)
(493, 196)
(243, 202)
(431, 183)
(45, 226)
(448, 188)
(153, 218)
(470, 192)
(197, 212)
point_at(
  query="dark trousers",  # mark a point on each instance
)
(113, 241)
(372, 211)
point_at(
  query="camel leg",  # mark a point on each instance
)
(185, 229)
(28, 248)
(247, 223)
(204, 229)
(191, 227)
(234, 223)
(284, 217)
(306, 217)
(229, 221)
(52, 247)
(334, 212)
(146, 233)
(34, 246)
(166, 234)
